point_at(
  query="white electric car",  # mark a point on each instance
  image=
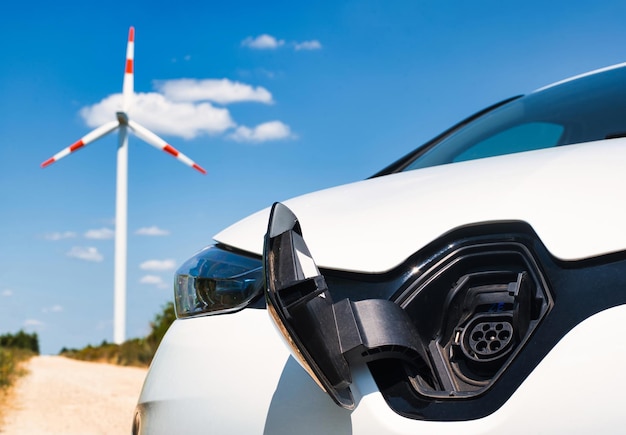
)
(475, 286)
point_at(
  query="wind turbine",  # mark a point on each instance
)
(123, 124)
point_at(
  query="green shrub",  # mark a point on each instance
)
(21, 340)
(160, 325)
(133, 352)
(15, 348)
(10, 359)
(7, 367)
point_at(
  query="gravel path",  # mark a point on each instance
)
(65, 396)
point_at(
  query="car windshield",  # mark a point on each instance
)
(589, 108)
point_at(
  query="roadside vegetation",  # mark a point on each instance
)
(14, 350)
(133, 352)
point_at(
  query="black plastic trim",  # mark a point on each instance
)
(580, 289)
(576, 290)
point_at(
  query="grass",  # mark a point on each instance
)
(15, 349)
(133, 352)
(11, 368)
(10, 364)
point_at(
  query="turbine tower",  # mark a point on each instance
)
(123, 124)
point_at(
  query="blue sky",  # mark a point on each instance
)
(274, 99)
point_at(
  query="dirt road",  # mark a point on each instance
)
(64, 396)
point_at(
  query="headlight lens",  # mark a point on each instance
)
(216, 281)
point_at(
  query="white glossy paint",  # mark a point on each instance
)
(574, 390)
(373, 225)
(232, 374)
(579, 76)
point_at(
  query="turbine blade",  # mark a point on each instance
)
(88, 138)
(128, 86)
(157, 142)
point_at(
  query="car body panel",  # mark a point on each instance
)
(206, 373)
(559, 396)
(232, 373)
(561, 192)
(257, 388)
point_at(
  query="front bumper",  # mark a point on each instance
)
(232, 374)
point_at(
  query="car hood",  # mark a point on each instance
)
(572, 196)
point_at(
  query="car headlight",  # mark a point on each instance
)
(216, 281)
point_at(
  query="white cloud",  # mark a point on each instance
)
(153, 280)
(185, 109)
(7, 293)
(100, 234)
(222, 91)
(159, 114)
(88, 253)
(152, 231)
(263, 42)
(158, 265)
(33, 322)
(260, 72)
(265, 73)
(108, 221)
(273, 130)
(269, 42)
(60, 235)
(53, 309)
(186, 58)
(307, 45)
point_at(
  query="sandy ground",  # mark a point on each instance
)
(64, 396)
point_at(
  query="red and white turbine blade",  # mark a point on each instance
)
(157, 142)
(88, 138)
(128, 86)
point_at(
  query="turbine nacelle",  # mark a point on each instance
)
(122, 118)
